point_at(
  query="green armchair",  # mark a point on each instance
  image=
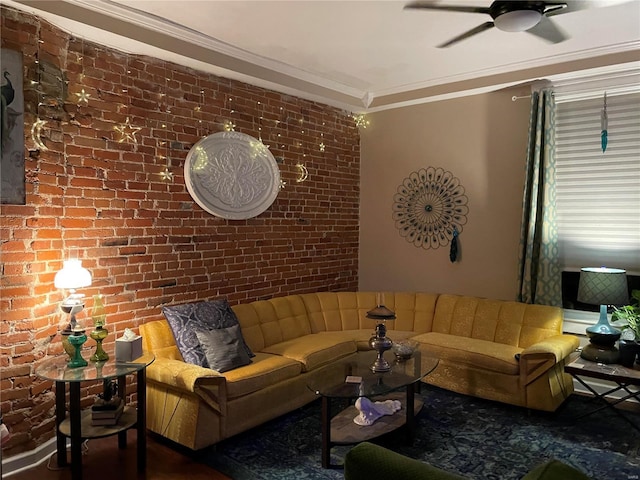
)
(368, 461)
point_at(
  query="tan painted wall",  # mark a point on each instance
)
(482, 140)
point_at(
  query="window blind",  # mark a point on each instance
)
(598, 194)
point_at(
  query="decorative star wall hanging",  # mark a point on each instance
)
(166, 175)
(83, 97)
(127, 132)
(360, 120)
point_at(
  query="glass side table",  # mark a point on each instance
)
(77, 425)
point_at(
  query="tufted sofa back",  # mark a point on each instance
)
(268, 322)
(348, 310)
(510, 323)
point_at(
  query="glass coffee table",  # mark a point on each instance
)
(350, 378)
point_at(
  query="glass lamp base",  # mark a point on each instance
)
(99, 334)
(380, 365)
(380, 343)
(77, 340)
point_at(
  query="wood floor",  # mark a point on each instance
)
(104, 461)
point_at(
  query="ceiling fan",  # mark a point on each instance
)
(512, 16)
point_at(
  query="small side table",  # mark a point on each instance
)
(624, 377)
(77, 426)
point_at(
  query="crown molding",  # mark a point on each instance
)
(110, 24)
(515, 66)
(181, 32)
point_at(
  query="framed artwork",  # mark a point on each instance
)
(12, 174)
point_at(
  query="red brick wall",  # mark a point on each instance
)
(145, 241)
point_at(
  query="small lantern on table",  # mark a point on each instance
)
(379, 340)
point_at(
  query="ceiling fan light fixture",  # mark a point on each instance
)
(518, 20)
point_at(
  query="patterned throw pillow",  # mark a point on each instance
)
(223, 348)
(187, 318)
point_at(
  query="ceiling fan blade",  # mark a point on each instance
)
(551, 9)
(450, 8)
(549, 31)
(473, 31)
(574, 6)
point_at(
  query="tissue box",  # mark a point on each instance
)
(128, 350)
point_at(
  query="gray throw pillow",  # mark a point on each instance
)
(223, 348)
(187, 318)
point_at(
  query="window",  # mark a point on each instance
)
(598, 194)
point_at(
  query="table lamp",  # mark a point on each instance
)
(379, 340)
(602, 286)
(71, 277)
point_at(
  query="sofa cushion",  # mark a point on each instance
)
(185, 319)
(264, 370)
(314, 350)
(471, 351)
(223, 348)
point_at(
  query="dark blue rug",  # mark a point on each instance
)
(476, 438)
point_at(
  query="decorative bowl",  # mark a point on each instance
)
(403, 349)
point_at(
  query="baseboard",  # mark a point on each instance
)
(26, 460)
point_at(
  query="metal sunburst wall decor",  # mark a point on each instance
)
(430, 208)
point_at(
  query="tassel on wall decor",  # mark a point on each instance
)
(453, 250)
(604, 122)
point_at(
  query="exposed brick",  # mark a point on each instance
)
(145, 241)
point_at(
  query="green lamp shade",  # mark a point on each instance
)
(603, 286)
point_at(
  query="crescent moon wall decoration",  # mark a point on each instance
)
(430, 207)
(36, 132)
(304, 173)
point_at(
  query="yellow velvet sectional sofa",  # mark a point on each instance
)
(499, 350)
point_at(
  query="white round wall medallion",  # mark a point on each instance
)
(232, 175)
(430, 208)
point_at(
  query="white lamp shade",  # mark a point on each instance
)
(603, 286)
(518, 20)
(72, 275)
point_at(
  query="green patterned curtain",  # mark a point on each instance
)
(539, 273)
